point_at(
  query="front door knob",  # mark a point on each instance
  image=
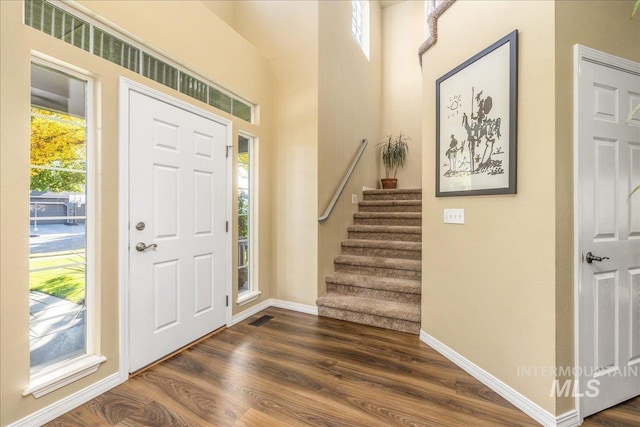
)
(141, 246)
(591, 257)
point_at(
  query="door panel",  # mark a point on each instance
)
(609, 302)
(178, 188)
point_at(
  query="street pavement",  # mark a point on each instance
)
(56, 238)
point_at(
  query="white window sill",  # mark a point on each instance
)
(61, 374)
(247, 297)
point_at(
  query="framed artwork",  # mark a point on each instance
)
(476, 123)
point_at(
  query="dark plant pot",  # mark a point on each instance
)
(389, 183)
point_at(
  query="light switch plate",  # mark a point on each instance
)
(354, 199)
(454, 216)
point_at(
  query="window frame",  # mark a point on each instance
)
(253, 292)
(64, 372)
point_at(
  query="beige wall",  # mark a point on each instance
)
(287, 34)
(402, 33)
(295, 245)
(605, 26)
(350, 95)
(326, 97)
(489, 285)
(243, 71)
(515, 309)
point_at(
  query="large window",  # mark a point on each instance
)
(246, 241)
(58, 217)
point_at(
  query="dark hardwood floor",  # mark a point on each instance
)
(302, 370)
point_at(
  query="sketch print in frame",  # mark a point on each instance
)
(476, 114)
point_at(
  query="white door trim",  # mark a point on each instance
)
(125, 87)
(581, 53)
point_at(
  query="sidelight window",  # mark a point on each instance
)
(60, 229)
(247, 290)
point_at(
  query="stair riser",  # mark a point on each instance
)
(374, 293)
(391, 208)
(395, 196)
(378, 252)
(372, 320)
(388, 221)
(377, 271)
(402, 237)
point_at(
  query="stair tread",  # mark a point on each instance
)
(390, 203)
(409, 229)
(383, 244)
(391, 284)
(382, 308)
(393, 191)
(385, 215)
(380, 262)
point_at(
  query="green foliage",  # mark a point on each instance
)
(635, 8)
(634, 190)
(58, 141)
(243, 214)
(393, 149)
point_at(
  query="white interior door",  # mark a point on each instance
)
(609, 167)
(178, 190)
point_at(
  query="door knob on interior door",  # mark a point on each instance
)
(141, 246)
(591, 257)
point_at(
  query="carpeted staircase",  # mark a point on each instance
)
(377, 277)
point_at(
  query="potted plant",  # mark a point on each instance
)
(393, 150)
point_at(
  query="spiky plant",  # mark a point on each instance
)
(393, 150)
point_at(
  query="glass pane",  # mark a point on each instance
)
(242, 110)
(243, 174)
(243, 226)
(193, 87)
(243, 147)
(57, 315)
(115, 50)
(55, 237)
(57, 217)
(243, 279)
(159, 71)
(57, 23)
(219, 100)
(243, 252)
(243, 202)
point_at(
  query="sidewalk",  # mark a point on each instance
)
(57, 328)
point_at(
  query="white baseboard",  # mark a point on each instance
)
(517, 399)
(294, 306)
(65, 405)
(272, 302)
(250, 312)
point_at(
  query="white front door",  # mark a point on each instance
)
(609, 285)
(178, 208)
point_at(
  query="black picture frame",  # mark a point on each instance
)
(476, 123)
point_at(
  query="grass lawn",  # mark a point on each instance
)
(54, 275)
